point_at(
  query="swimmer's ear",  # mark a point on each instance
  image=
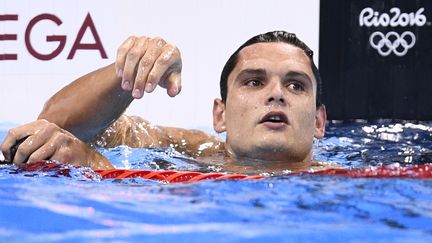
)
(320, 121)
(219, 116)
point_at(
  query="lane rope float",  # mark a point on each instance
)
(173, 176)
(423, 171)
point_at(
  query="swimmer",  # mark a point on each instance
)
(270, 109)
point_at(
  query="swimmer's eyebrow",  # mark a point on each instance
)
(251, 72)
(298, 75)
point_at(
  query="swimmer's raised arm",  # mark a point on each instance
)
(93, 102)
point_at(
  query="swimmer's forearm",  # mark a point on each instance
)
(89, 104)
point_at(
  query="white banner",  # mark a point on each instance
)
(47, 44)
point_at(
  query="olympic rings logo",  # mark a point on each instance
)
(392, 42)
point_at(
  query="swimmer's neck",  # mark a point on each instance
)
(266, 162)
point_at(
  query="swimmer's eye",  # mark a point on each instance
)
(253, 83)
(296, 86)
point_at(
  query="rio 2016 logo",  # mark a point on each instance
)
(392, 42)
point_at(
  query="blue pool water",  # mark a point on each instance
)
(37, 207)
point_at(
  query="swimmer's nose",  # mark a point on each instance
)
(276, 93)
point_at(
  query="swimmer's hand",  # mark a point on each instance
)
(47, 141)
(143, 62)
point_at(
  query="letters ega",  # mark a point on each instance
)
(60, 39)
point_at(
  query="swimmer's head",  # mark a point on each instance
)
(273, 36)
(271, 110)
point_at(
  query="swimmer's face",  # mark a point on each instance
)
(270, 112)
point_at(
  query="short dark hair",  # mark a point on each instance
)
(273, 36)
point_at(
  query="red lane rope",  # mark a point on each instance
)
(387, 171)
(172, 176)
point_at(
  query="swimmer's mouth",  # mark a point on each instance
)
(275, 117)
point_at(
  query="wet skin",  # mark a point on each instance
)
(270, 116)
(270, 113)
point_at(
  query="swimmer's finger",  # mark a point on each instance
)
(168, 62)
(146, 64)
(133, 58)
(122, 51)
(14, 135)
(173, 84)
(25, 149)
(45, 152)
(33, 143)
(7, 144)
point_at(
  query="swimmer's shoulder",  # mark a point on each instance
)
(193, 142)
(135, 131)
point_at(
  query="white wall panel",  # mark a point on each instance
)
(206, 32)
